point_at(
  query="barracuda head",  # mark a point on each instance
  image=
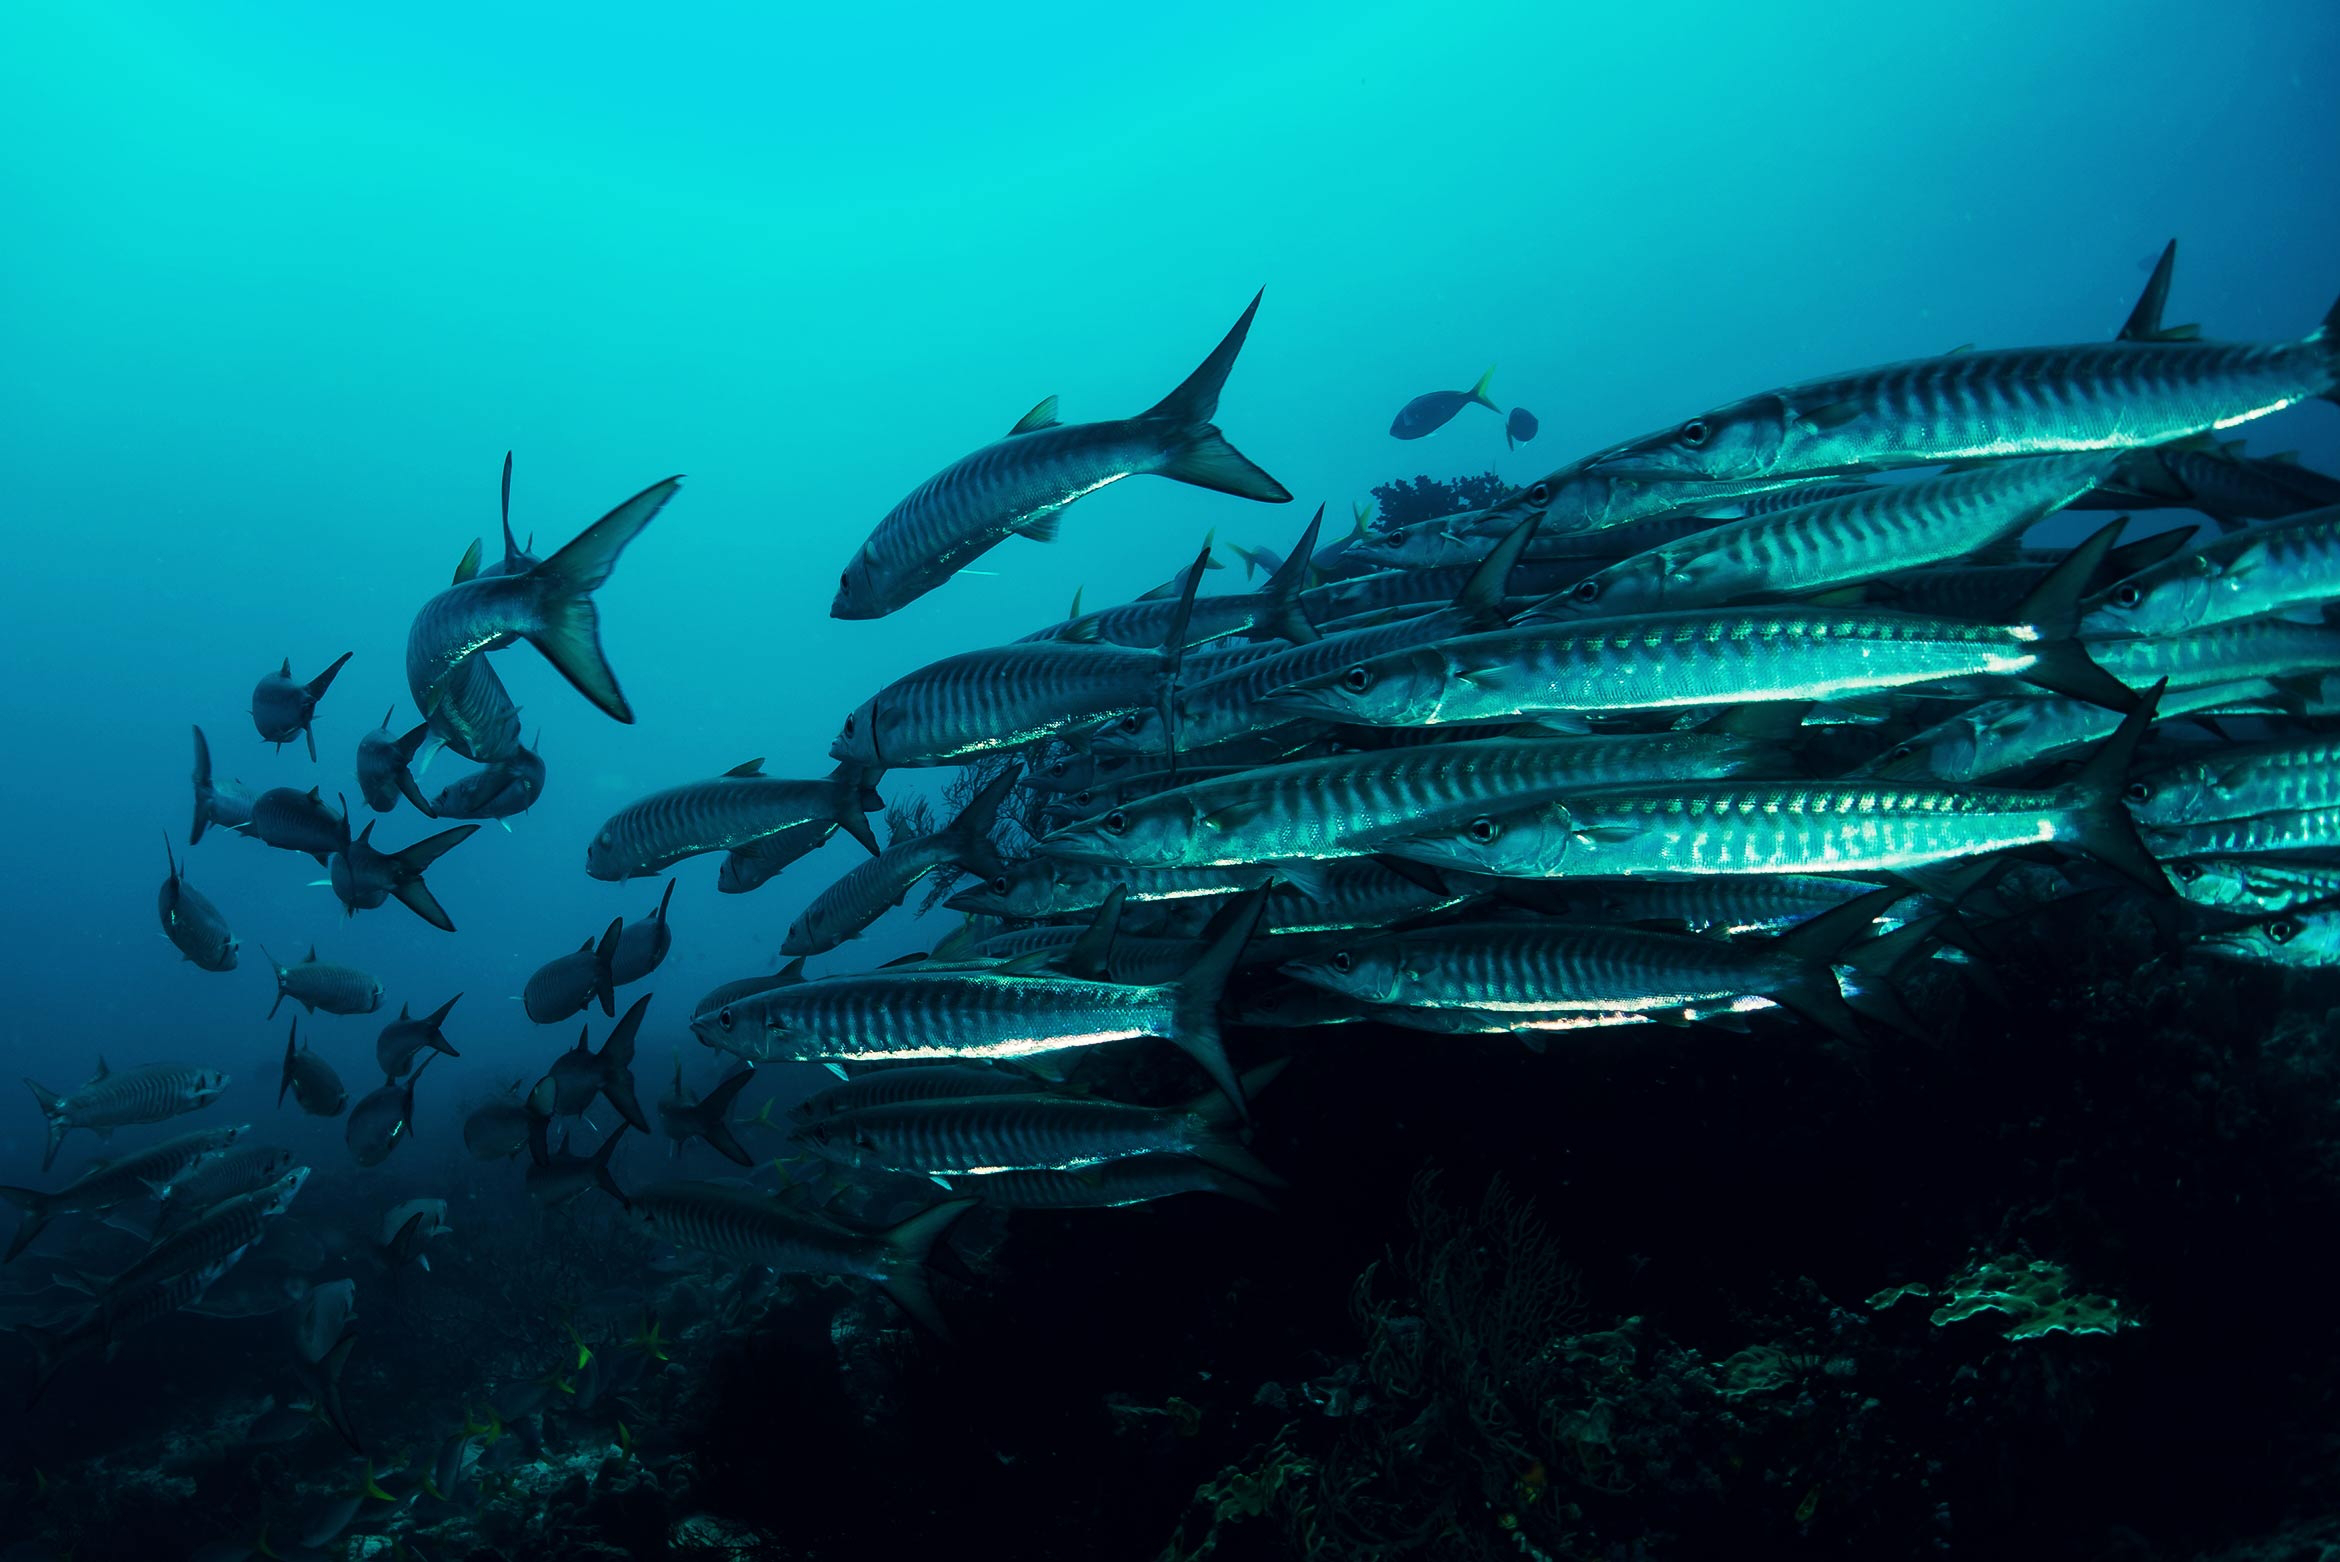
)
(2163, 601)
(1020, 889)
(1402, 688)
(2304, 939)
(1134, 733)
(1745, 439)
(856, 742)
(1526, 845)
(1369, 973)
(2175, 795)
(1634, 585)
(1949, 752)
(858, 595)
(1155, 832)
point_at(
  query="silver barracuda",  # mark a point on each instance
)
(2255, 885)
(877, 884)
(730, 812)
(111, 1099)
(2281, 566)
(2307, 939)
(1021, 485)
(2234, 781)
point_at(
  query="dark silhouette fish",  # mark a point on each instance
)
(682, 1118)
(1519, 428)
(1427, 414)
(151, 1093)
(507, 787)
(735, 809)
(310, 1078)
(1021, 485)
(229, 806)
(364, 876)
(875, 885)
(405, 1036)
(567, 984)
(642, 947)
(192, 923)
(317, 984)
(378, 1122)
(296, 821)
(578, 1075)
(384, 766)
(130, 1178)
(550, 605)
(757, 863)
(282, 708)
(496, 1131)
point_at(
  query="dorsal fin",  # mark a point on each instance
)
(511, 551)
(467, 566)
(2144, 322)
(754, 767)
(1042, 415)
(312, 960)
(1481, 598)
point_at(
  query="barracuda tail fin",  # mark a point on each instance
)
(291, 1049)
(1817, 945)
(32, 1207)
(716, 1125)
(203, 788)
(617, 1064)
(2060, 662)
(857, 797)
(317, 686)
(909, 1250)
(1195, 1013)
(53, 1109)
(969, 835)
(601, 1174)
(2098, 816)
(568, 628)
(409, 746)
(604, 965)
(1280, 613)
(1196, 451)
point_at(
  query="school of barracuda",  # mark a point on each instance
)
(1741, 716)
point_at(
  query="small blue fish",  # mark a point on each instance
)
(1428, 414)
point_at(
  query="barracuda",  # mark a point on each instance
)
(1021, 485)
(1559, 968)
(1834, 542)
(2001, 737)
(1271, 613)
(735, 810)
(110, 1100)
(876, 885)
(1343, 804)
(2302, 940)
(2238, 781)
(211, 1237)
(550, 605)
(2255, 884)
(992, 1015)
(1804, 827)
(2290, 833)
(1985, 405)
(749, 1228)
(975, 1136)
(123, 1180)
(2269, 648)
(2274, 568)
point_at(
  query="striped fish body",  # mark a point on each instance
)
(2294, 832)
(213, 1238)
(298, 820)
(2022, 401)
(1343, 804)
(916, 1082)
(467, 618)
(913, 1016)
(1582, 497)
(1024, 1132)
(1553, 968)
(2003, 737)
(2255, 885)
(1836, 541)
(2221, 482)
(2235, 781)
(475, 715)
(1766, 903)
(1659, 661)
(1140, 1179)
(979, 501)
(997, 698)
(119, 1098)
(870, 888)
(757, 863)
(2304, 940)
(2283, 565)
(215, 1179)
(748, 1228)
(509, 786)
(123, 1180)
(1051, 886)
(721, 813)
(1740, 827)
(2257, 648)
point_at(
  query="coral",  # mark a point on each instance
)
(1423, 498)
(2030, 1293)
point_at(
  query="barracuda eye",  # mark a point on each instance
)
(849, 726)
(1901, 751)
(1117, 823)
(1540, 494)
(2283, 930)
(2140, 792)
(2185, 872)
(2127, 594)
(1587, 591)
(1357, 680)
(1482, 831)
(724, 1018)
(1131, 722)
(845, 581)
(1694, 432)
(1342, 963)
(999, 886)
